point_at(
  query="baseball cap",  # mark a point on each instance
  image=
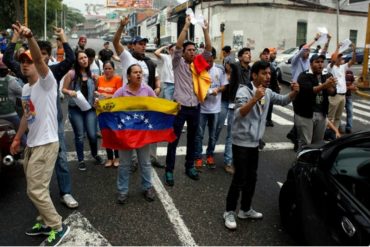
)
(272, 49)
(316, 56)
(2, 64)
(138, 39)
(226, 48)
(266, 50)
(335, 55)
(26, 54)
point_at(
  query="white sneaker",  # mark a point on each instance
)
(230, 222)
(69, 201)
(250, 214)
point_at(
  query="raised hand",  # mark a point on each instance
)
(124, 21)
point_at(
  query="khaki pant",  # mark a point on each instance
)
(39, 165)
(336, 107)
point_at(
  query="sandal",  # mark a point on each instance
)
(108, 164)
(116, 163)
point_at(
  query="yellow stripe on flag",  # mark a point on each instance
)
(137, 103)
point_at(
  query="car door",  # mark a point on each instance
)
(347, 197)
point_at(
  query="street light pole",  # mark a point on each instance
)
(45, 36)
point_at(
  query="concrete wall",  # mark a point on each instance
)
(260, 27)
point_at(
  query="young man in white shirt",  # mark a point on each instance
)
(166, 70)
(40, 118)
(338, 69)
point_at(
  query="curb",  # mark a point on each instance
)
(362, 94)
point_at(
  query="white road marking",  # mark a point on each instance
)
(82, 233)
(173, 214)
(280, 120)
(162, 151)
(285, 110)
(363, 101)
(363, 113)
(363, 106)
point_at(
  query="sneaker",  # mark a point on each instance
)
(155, 163)
(168, 179)
(149, 194)
(250, 214)
(211, 162)
(99, 160)
(230, 221)
(69, 201)
(192, 173)
(198, 164)
(229, 169)
(122, 198)
(269, 124)
(56, 237)
(38, 229)
(82, 166)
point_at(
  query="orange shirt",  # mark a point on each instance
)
(109, 87)
(60, 54)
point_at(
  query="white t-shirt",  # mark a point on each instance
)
(165, 68)
(95, 69)
(340, 74)
(212, 104)
(127, 60)
(40, 108)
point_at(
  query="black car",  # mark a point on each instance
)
(326, 198)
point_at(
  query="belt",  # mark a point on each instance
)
(189, 107)
(341, 93)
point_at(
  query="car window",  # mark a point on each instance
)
(352, 169)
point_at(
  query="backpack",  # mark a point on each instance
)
(6, 105)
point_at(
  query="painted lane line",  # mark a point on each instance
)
(285, 110)
(280, 184)
(365, 107)
(82, 233)
(366, 102)
(162, 151)
(361, 120)
(280, 120)
(173, 213)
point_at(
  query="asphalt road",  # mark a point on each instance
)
(190, 213)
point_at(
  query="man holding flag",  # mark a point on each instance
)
(191, 86)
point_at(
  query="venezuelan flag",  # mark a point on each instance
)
(133, 122)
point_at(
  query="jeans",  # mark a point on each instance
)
(209, 119)
(229, 113)
(349, 112)
(191, 116)
(82, 121)
(125, 165)
(310, 130)
(244, 178)
(169, 89)
(61, 164)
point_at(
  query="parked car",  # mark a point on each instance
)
(325, 199)
(150, 47)
(347, 55)
(285, 55)
(284, 69)
(74, 36)
(126, 39)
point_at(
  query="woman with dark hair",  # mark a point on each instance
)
(106, 86)
(135, 87)
(79, 81)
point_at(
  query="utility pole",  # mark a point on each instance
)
(26, 13)
(45, 34)
(338, 6)
(366, 53)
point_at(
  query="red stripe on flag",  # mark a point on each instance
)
(133, 139)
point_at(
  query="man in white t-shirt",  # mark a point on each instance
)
(39, 99)
(338, 68)
(166, 70)
(150, 74)
(209, 112)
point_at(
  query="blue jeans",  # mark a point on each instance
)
(191, 116)
(209, 119)
(82, 121)
(125, 165)
(61, 164)
(169, 89)
(229, 113)
(349, 111)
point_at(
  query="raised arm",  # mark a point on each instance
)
(326, 46)
(184, 32)
(117, 36)
(353, 59)
(207, 38)
(157, 52)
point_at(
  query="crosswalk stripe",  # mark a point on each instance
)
(363, 101)
(162, 151)
(363, 113)
(365, 107)
(82, 233)
(285, 110)
(280, 120)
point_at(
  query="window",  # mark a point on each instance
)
(352, 169)
(353, 36)
(301, 32)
